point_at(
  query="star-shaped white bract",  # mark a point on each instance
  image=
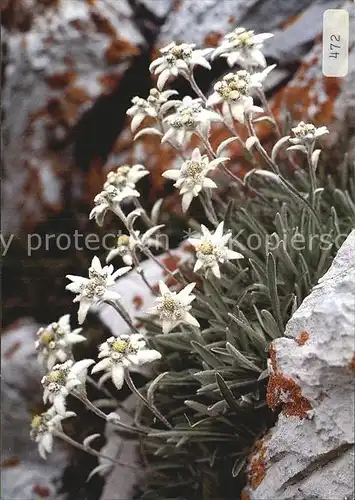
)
(44, 425)
(178, 60)
(191, 116)
(96, 288)
(63, 379)
(243, 47)
(155, 103)
(110, 199)
(211, 250)
(191, 178)
(126, 244)
(54, 342)
(234, 92)
(173, 308)
(306, 134)
(125, 351)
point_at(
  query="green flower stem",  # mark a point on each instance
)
(90, 406)
(152, 408)
(266, 107)
(89, 450)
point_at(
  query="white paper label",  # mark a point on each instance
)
(335, 42)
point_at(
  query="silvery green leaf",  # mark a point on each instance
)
(278, 146)
(113, 417)
(104, 468)
(297, 147)
(154, 214)
(241, 359)
(89, 439)
(315, 159)
(224, 144)
(147, 130)
(152, 386)
(251, 142)
(226, 392)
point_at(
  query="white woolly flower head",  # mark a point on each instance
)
(243, 47)
(96, 288)
(235, 90)
(124, 351)
(54, 342)
(126, 176)
(173, 308)
(306, 134)
(110, 199)
(44, 425)
(156, 103)
(212, 250)
(178, 60)
(62, 379)
(126, 244)
(191, 116)
(191, 178)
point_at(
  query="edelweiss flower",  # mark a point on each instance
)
(55, 342)
(94, 289)
(173, 308)
(127, 244)
(306, 134)
(191, 177)
(211, 250)
(152, 106)
(125, 351)
(178, 59)
(62, 379)
(234, 91)
(126, 176)
(243, 47)
(44, 425)
(110, 199)
(190, 117)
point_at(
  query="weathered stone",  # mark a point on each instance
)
(70, 53)
(122, 479)
(309, 454)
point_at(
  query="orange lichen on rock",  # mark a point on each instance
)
(272, 354)
(137, 301)
(212, 39)
(310, 95)
(283, 391)
(118, 50)
(77, 95)
(302, 338)
(41, 491)
(10, 462)
(352, 363)
(11, 351)
(244, 495)
(102, 24)
(60, 80)
(109, 81)
(257, 465)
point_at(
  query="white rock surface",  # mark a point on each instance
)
(121, 481)
(24, 474)
(313, 457)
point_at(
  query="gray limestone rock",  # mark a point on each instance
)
(309, 454)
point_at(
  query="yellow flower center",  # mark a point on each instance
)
(206, 248)
(123, 240)
(36, 422)
(193, 168)
(46, 337)
(169, 304)
(120, 346)
(56, 376)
